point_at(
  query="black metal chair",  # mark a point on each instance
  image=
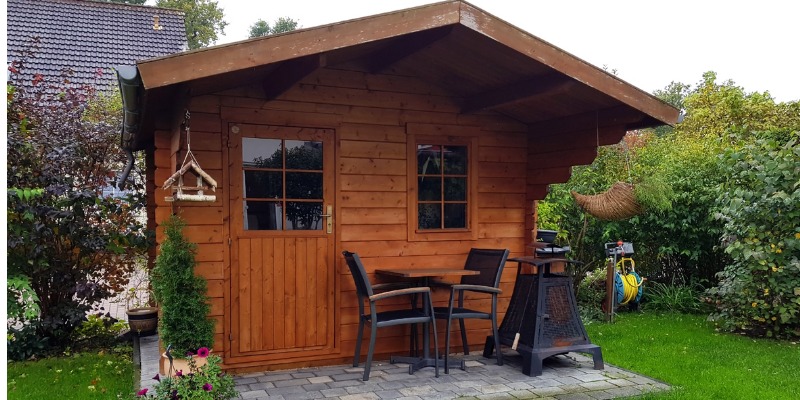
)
(490, 263)
(367, 294)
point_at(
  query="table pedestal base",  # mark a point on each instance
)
(417, 363)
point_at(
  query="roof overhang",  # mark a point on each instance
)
(486, 62)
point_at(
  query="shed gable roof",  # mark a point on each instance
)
(487, 63)
(87, 36)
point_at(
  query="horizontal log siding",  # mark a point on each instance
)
(204, 221)
(369, 114)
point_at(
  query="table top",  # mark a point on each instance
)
(425, 272)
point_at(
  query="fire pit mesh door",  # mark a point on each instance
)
(561, 325)
(521, 313)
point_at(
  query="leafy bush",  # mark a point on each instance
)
(590, 293)
(180, 293)
(759, 292)
(69, 241)
(24, 343)
(98, 331)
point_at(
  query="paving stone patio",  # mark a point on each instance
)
(565, 377)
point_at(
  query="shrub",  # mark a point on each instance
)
(180, 293)
(759, 292)
(70, 243)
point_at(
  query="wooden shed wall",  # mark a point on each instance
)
(369, 114)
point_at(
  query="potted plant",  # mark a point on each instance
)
(140, 304)
(198, 382)
(181, 295)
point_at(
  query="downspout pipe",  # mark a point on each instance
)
(130, 88)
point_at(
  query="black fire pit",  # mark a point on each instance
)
(544, 313)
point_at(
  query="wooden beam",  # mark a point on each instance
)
(564, 158)
(403, 47)
(593, 120)
(516, 92)
(289, 73)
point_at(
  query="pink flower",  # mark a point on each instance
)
(202, 352)
(207, 387)
(142, 392)
(179, 372)
(158, 378)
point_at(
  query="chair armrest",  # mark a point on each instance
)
(400, 292)
(477, 288)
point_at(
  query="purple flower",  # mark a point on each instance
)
(179, 372)
(202, 352)
(142, 392)
(207, 387)
(158, 378)
(189, 353)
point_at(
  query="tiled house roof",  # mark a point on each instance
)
(87, 36)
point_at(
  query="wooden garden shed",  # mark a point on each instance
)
(407, 137)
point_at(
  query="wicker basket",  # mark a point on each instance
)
(617, 203)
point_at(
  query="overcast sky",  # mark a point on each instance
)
(649, 42)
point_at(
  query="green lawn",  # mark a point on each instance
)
(686, 352)
(83, 376)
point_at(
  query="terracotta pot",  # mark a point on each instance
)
(143, 320)
(180, 364)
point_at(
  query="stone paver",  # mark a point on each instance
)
(565, 377)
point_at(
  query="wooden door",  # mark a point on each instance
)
(282, 242)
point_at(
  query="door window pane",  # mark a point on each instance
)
(263, 215)
(305, 155)
(303, 216)
(262, 153)
(263, 184)
(304, 185)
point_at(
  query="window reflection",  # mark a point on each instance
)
(442, 186)
(288, 173)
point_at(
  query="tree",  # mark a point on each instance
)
(70, 242)
(262, 28)
(204, 20)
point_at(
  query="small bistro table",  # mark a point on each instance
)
(423, 276)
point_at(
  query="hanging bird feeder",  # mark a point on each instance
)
(204, 182)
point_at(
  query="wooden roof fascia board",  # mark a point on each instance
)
(216, 60)
(289, 73)
(566, 63)
(517, 92)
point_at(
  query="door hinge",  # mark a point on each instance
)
(230, 337)
(229, 241)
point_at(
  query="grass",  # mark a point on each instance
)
(83, 376)
(686, 352)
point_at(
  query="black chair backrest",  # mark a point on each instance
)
(363, 287)
(489, 262)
